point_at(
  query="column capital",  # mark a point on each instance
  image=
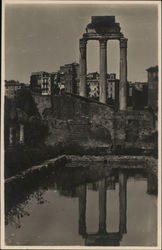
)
(82, 43)
(103, 43)
(123, 42)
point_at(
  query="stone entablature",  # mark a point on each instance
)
(95, 36)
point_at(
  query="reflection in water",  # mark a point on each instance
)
(102, 237)
(82, 210)
(123, 202)
(151, 184)
(74, 183)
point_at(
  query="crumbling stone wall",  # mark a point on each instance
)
(133, 129)
(43, 102)
(78, 120)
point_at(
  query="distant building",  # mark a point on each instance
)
(138, 95)
(93, 85)
(93, 80)
(153, 87)
(69, 77)
(66, 79)
(112, 90)
(41, 82)
(57, 86)
(12, 86)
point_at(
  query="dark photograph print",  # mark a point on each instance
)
(80, 125)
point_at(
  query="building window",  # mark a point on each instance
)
(154, 75)
(150, 75)
(130, 91)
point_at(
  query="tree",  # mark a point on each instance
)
(25, 102)
(23, 110)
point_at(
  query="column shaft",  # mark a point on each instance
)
(21, 133)
(82, 209)
(102, 206)
(11, 136)
(103, 71)
(83, 67)
(123, 202)
(123, 74)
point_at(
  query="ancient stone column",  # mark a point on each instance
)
(21, 133)
(103, 71)
(102, 206)
(11, 136)
(82, 209)
(123, 74)
(83, 67)
(122, 202)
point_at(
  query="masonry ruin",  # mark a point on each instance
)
(90, 125)
(103, 29)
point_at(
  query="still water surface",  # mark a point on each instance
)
(78, 206)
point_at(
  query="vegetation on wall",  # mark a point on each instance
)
(22, 109)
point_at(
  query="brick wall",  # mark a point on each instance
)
(43, 102)
(133, 129)
(79, 120)
(74, 119)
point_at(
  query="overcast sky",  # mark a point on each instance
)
(44, 37)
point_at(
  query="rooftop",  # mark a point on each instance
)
(13, 83)
(103, 20)
(39, 73)
(152, 69)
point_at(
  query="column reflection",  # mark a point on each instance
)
(122, 202)
(82, 209)
(102, 237)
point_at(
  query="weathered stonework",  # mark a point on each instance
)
(43, 102)
(78, 120)
(132, 129)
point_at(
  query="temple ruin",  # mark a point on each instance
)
(104, 28)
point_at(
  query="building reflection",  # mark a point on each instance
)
(18, 193)
(152, 185)
(102, 237)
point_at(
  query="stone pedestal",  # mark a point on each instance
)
(83, 67)
(123, 75)
(102, 206)
(21, 133)
(122, 202)
(103, 71)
